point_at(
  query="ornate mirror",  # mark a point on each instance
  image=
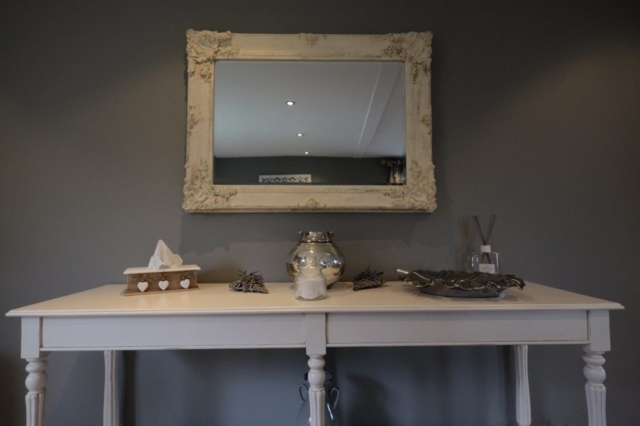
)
(308, 122)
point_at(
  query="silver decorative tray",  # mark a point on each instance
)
(460, 284)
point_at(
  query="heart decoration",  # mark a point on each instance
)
(143, 286)
(164, 284)
(185, 283)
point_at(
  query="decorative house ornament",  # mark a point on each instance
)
(165, 274)
(368, 278)
(252, 282)
(206, 48)
(143, 286)
(163, 283)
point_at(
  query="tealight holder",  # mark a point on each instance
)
(311, 283)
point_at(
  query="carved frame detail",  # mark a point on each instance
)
(202, 195)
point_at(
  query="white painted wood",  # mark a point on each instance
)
(111, 410)
(444, 328)
(158, 332)
(315, 334)
(523, 401)
(316, 389)
(37, 393)
(599, 343)
(393, 315)
(599, 338)
(204, 48)
(217, 299)
(594, 388)
(31, 337)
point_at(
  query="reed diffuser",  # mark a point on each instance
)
(487, 261)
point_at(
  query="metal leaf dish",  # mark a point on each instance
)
(460, 284)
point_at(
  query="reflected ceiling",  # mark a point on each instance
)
(342, 109)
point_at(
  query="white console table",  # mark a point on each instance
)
(394, 315)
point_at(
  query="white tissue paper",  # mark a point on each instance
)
(164, 258)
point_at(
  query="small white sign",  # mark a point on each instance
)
(284, 178)
(487, 268)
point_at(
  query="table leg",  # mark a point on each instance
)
(36, 381)
(316, 389)
(110, 411)
(596, 392)
(523, 401)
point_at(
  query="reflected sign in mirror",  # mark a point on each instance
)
(335, 122)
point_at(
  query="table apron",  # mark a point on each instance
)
(166, 332)
(289, 330)
(457, 328)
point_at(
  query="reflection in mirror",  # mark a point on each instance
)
(309, 122)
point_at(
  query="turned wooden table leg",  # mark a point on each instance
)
(599, 343)
(523, 401)
(595, 389)
(316, 389)
(111, 411)
(315, 335)
(37, 393)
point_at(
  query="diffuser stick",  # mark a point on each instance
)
(485, 238)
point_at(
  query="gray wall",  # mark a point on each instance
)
(535, 119)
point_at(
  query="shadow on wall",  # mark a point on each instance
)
(223, 243)
(212, 384)
(128, 387)
(372, 398)
(407, 385)
(66, 373)
(11, 365)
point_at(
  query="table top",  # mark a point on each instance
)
(109, 300)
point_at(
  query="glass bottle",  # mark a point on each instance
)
(486, 261)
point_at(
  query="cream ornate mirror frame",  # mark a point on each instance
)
(202, 195)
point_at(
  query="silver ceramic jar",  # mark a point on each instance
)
(316, 244)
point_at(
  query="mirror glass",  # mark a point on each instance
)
(309, 122)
